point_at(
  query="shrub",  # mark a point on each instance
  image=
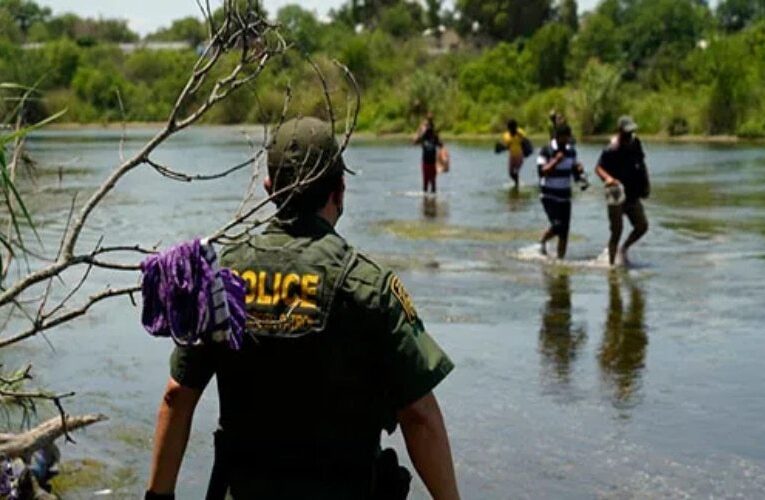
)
(499, 74)
(752, 129)
(597, 98)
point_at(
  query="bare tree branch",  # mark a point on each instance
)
(21, 445)
(48, 323)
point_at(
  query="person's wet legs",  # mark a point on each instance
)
(636, 215)
(514, 177)
(615, 216)
(547, 236)
(515, 168)
(564, 223)
(559, 215)
(562, 246)
(428, 178)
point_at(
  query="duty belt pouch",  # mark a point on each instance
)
(392, 481)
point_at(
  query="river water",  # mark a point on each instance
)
(571, 381)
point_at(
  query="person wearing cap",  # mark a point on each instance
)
(623, 170)
(557, 165)
(427, 138)
(335, 354)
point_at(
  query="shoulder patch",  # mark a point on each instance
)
(403, 297)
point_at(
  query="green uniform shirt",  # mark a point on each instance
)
(323, 397)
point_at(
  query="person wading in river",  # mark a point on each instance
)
(428, 139)
(557, 164)
(513, 139)
(334, 353)
(623, 170)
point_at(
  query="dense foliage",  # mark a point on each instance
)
(678, 66)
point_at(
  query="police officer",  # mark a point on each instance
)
(335, 354)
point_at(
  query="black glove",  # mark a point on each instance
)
(150, 495)
(499, 148)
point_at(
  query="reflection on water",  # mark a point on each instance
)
(433, 208)
(518, 199)
(457, 255)
(623, 351)
(559, 339)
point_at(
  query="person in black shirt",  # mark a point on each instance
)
(622, 164)
(428, 139)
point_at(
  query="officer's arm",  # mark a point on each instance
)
(171, 435)
(428, 446)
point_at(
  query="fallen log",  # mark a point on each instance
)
(24, 444)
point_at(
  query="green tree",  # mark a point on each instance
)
(734, 15)
(24, 13)
(302, 25)
(504, 19)
(188, 29)
(568, 13)
(99, 87)
(433, 12)
(9, 30)
(241, 6)
(598, 38)
(109, 30)
(61, 60)
(63, 26)
(548, 51)
(732, 83)
(653, 23)
(426, 93)
(357, 57)
(401, 20)
(499, 75)
(83, 30)
(597, 100)
(615, 10)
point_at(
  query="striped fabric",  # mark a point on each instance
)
(557, 184)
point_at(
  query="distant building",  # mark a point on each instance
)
(442, 40)
(129, 48)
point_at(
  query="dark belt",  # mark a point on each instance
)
(240, 459)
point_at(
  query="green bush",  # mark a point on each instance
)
(752, 129)
(597, 101)
(534, 113)
(498, 75)
(99, 88)
(732, 83)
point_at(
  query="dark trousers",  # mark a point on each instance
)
(559, 214)
(634, 211)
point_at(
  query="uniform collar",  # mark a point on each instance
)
(303, 225)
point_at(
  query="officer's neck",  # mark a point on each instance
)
(329, 213)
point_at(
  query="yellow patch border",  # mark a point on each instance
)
(407, 304)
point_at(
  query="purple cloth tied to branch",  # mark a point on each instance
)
(188, 297)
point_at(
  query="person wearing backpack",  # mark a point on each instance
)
(514, 140)
(623, 170)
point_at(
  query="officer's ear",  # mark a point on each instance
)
(338, 194)
(268, 186)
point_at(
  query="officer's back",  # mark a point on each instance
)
(335, 352)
